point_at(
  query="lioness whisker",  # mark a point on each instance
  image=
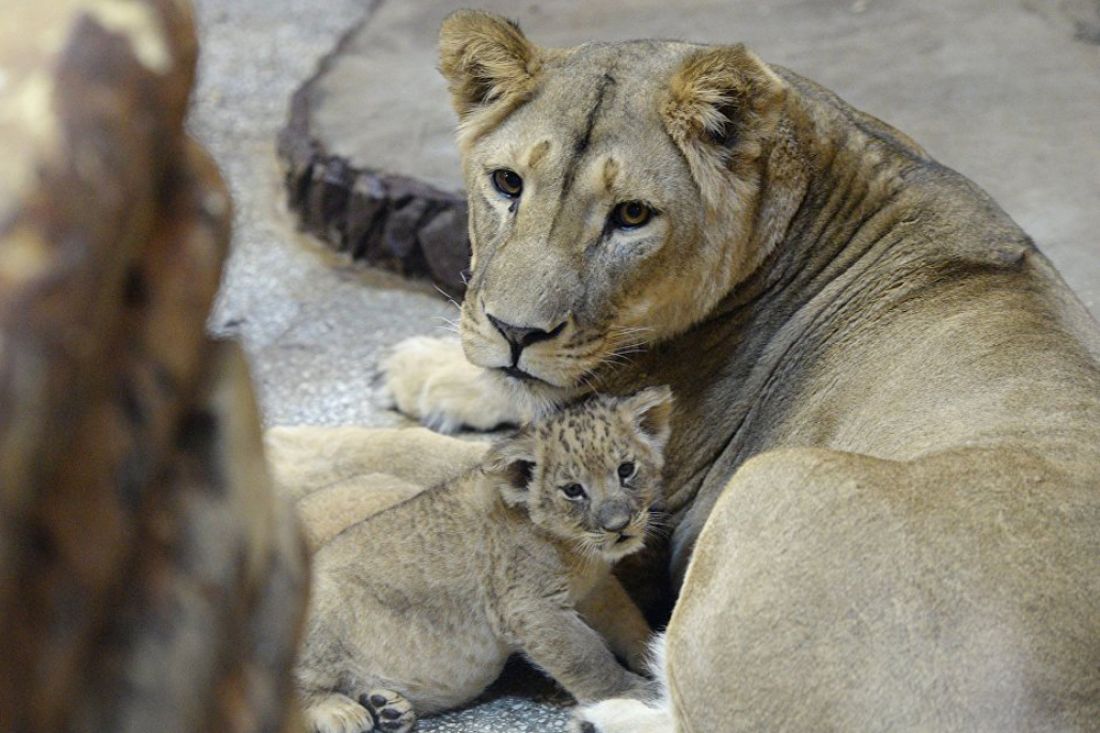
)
(450, 300)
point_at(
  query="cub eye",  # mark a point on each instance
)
(631, 215)
(573, 491)
(508, 182)
(626, 470)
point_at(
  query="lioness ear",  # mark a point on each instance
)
(485, 58)
(510, 464)
(723, 98)
(651, 411)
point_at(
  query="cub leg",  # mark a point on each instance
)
(611, 612)
(392, 712)
(570, 651)
(336, 713)
(620, 715)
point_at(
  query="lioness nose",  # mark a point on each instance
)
(614, 517)
(520, 337)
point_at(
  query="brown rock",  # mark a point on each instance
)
(142, 555)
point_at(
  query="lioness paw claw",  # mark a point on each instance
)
(392, 712)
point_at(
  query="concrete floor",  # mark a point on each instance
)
(1008, 92)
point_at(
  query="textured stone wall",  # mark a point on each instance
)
(149, 581)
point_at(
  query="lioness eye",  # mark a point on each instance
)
(508, 182)
(626, 470)
(631, 215)
(573, 491)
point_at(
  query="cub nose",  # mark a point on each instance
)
(520, 337)
(614, 517)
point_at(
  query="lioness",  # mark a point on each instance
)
(886, 456)
(416, 608)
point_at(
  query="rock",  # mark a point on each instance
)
(144, 563)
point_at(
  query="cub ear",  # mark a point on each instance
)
(485, 58)
(722, 98)
(651, 411)
(510, 464)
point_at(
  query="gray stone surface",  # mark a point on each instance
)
(1007, 92)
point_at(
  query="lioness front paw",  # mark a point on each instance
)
(338, 714)
(392, 712)
(429, 379)
(620, 715)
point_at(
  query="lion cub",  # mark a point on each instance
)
(419, 606)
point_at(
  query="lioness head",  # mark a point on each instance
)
(612, 191)
(590, 473)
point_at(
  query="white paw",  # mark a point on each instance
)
(338, 714)
(620, 715)
(429, 379)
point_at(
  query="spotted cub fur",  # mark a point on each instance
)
(418, 607)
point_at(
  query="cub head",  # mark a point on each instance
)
(590, 473)
(614, 191)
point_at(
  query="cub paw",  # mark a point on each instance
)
(338, 714)
(429, 379)
(392, 712)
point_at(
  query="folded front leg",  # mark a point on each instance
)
(557, 640)
(611, 612)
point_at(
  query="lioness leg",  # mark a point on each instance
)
(304, 459)
(829, 591)
(328, 511)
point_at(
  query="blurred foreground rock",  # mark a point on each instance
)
(148, 579)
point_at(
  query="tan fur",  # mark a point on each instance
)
(538, 152)
(305, 459)
(885, 467)
(328, 511)
(491, 68)
(331, 473)
(422, 603)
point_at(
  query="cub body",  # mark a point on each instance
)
(418, 607)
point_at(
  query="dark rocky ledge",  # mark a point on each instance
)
(386, 220)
